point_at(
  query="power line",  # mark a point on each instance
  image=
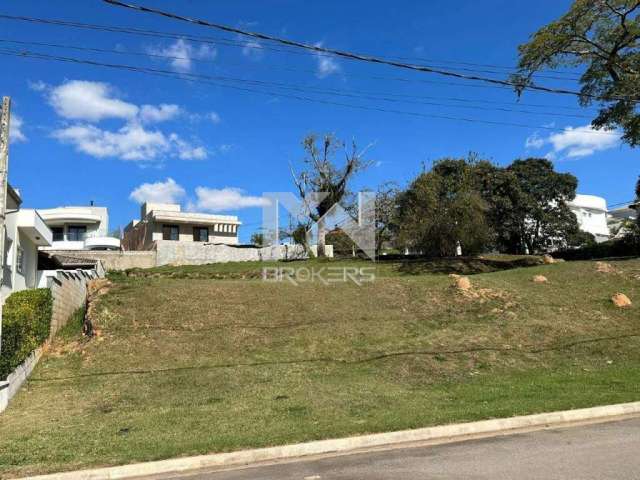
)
(344, 93)
(352, 55)
(226, 42)
(233, 42)
(220, 83)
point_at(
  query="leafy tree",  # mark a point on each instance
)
(442, 209)
(540, 219)
(604, 36)
(342, 244)
(322, 175)
(257, 238)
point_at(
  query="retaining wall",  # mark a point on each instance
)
(114, 260)
(69, 292)
(193, 253)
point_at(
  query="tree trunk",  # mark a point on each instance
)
(322, 234)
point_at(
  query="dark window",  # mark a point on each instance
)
(170, 232)
(58, 234)
(76, 233)
(20, 260)
(200, 234)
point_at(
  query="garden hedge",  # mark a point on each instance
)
(26, 320)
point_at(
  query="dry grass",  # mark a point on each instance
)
(194, 365)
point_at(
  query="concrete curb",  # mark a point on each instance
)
(441, 434)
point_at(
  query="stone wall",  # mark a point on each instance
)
(193, 253)
(112, 260)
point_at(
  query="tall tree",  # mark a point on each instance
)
(541, 218)
(442, 209)
(604, 36)
(321, 174)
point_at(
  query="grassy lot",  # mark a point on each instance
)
(191, 360)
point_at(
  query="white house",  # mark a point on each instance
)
(25, 231)
(79, 228)
(591, 212)
(167, 222)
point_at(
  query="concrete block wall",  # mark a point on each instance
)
(69, 291)
(192, 253)
(114, 260)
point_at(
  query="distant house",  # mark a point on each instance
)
(25, 231)
(591, 212)
(618, 217)
(79, 228)
(166, 222)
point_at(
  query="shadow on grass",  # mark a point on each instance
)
(463, 265)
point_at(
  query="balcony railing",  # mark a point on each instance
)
(79, 237)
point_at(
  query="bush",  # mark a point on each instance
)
(628, 246)
(26, 320)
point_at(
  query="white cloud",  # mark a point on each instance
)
(575, 142)
(227, 198)
(134, 141)
(253, 50)
(131, 142)
(327, 64)
(214, 117)
(37, 86)
(160, 113)
(583, 141)
(15, 129)
(160, 192)
(534, 141)
(91, 101)
(183, 53)
(186, 151)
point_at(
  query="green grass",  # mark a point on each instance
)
(192, 360)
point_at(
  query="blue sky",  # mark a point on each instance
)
(86, 133)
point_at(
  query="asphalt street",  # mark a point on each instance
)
(593, 452)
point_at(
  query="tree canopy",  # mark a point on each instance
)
(604, 37)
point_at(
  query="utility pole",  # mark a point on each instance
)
(4, 170)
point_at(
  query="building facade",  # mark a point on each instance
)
(25, 232)
(79, 228)
(164, 222)
(591, 212)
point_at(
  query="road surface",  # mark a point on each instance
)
(598, 452)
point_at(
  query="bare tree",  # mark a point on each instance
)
(321, 175)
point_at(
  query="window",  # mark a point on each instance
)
(200, 234)
(20, 260)
(170, 232)
(58, 234)
(76, 233)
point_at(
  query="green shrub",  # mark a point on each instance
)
(628, 246)
(26, 320)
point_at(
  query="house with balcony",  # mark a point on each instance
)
(165, 222)
(79, 228)
(25, 232)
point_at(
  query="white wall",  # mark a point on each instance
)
(13, 280)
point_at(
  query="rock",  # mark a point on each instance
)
(463, 283)
(540, 279)
(548, 259)
(604, 267)
(621, 300)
